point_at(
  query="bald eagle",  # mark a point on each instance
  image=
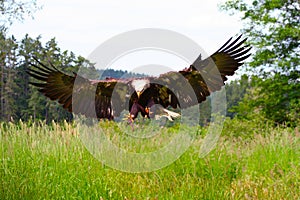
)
(108, 98)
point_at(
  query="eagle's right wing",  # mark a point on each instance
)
(92, 98)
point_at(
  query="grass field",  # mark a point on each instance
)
(252, 160)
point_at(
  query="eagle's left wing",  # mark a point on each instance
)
(192, 85)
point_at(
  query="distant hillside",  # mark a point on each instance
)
(118, 74)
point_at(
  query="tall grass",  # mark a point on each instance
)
(252, 160)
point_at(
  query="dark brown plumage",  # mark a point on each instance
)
(108, 98)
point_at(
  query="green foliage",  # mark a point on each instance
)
(235, 92)
(19, 100)
(8, 59)
(42, 161)
(273, 28)
(275, 99)
(280, 100)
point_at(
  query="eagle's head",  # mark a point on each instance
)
(140, 85)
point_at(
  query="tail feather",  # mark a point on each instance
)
(170, 115)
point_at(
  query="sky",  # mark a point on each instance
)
(81, 26)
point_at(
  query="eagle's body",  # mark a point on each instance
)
(108, 98)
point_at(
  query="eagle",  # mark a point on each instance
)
(108, 98)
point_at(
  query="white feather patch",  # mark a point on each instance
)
(140, 84)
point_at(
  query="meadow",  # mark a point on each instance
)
(252, 160)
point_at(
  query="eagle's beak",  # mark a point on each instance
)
(138, 93)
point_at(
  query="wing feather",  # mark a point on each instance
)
(204, 76)
(91, 98)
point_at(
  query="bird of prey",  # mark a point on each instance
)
(108, 98)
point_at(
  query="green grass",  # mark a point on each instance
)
(251, 161)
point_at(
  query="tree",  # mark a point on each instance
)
(8, 59)
(37, 105)
(273, 28)
(15, 10)
(235, 92)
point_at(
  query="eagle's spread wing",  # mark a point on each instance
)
(107, 98)
(79, 95)
(192, 85)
